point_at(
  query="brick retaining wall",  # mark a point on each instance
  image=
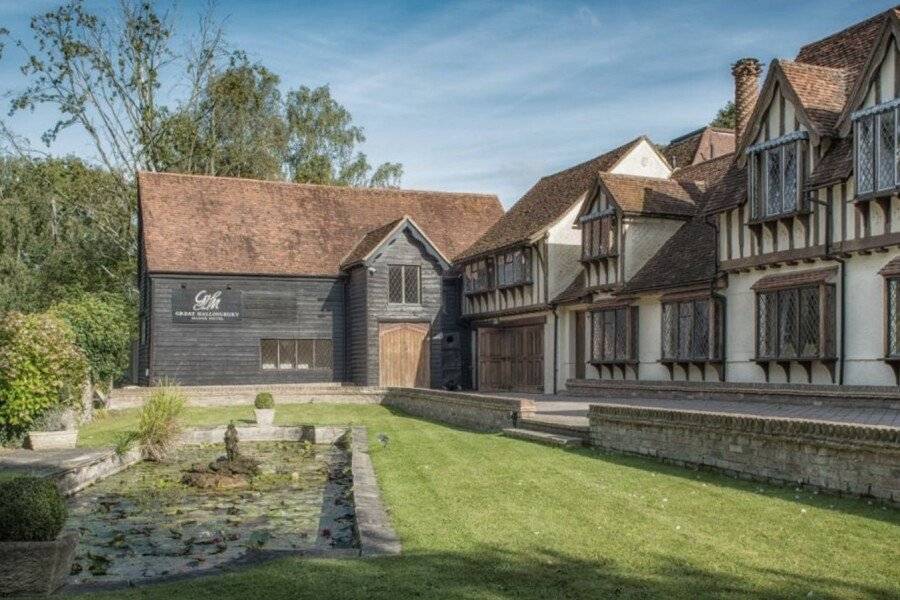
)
(856, 459)
(845, 395)
(474, 411)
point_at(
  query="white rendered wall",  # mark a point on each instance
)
(643, 160)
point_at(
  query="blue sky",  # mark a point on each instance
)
(490, 96)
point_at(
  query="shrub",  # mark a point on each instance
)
(31, 510)
(58, 418)
(40, 368)
(103, 324)
(159, 423)
(264, 400)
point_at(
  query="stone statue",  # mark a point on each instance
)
(231, 442)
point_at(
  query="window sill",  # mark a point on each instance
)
(623, 361)
(586, 259)
(689, 361)
(778, 218)
(514, 285)
(479, 292)
(880, 195)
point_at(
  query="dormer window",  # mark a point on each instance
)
(598, 238)
(875, 145)
(776, 173)
(479, 276)
(514, 267)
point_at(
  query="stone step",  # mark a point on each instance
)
(549, 425)
(543, 437)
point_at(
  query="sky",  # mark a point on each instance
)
(491, 96)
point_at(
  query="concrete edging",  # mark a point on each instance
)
(376, 534)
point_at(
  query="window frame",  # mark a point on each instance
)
(295, 363)
(624, 321)
(891, 316)
(595, 230)
(776, 313)
(513, 268)
(759, 183)
(404, 268)
(670, 340)
(872, 117)
(478, 276)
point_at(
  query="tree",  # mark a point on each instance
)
(65, 228)
(237, 128)
(726, 117)
(105, 74)
(322, 143)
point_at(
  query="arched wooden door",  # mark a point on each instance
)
(404, 355)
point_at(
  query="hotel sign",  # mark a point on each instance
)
(206, 305)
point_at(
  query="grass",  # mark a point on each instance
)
(486, 517)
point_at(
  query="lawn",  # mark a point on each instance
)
(483, 516)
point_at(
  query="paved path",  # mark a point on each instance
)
(46, 462)
(573, 410)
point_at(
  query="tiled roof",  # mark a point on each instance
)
(545, 203)
(729, 191)
(700, 145)
(649, 195)
(369, 242)
(708, 171)
(575, 290)
(822, 92)
(199, 224)
(847, 49)
(794, 279)
(835, 166)
(688, 257)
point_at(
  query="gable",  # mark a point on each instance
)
(375, 242)
(643, 159)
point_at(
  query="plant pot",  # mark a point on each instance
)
(52, 440)
(264, 416)
(36, 567)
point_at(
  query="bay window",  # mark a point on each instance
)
(893, 318)
(514, 267)
(598, 238)
(775, 171)
(479, 276)
(875, 132)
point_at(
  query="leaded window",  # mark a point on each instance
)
(893, 317)
(614, 334)
(690, 329)
(775, 174)
(404, 286)
(791, 323)
(479, 276)
(877, 164)
(296, 354)
(514, 267)
(598, 238)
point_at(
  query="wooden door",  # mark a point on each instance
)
(511, 358)
(404, 355)
(579, 344)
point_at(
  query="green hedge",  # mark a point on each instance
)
(31, 510)
(264, 400)
(40, 368)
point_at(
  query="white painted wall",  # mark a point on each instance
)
(643, 160)
(564, 251)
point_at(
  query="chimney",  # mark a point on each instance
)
(746, 90)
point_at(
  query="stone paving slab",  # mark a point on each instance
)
(47, 462)
(573, 410)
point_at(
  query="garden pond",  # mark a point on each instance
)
(144, 523)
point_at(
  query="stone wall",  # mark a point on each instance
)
(473, 411)
(237, 395)
(859, 460)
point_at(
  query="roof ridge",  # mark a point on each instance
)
(386, 190)
(623, 147)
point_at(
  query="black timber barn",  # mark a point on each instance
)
(252, 282)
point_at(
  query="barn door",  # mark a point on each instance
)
(511, 359)
(404, 355)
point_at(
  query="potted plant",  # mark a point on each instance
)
(53, 430)
(264, 406)
(35, 553)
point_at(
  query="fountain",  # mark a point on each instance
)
(229, 472)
